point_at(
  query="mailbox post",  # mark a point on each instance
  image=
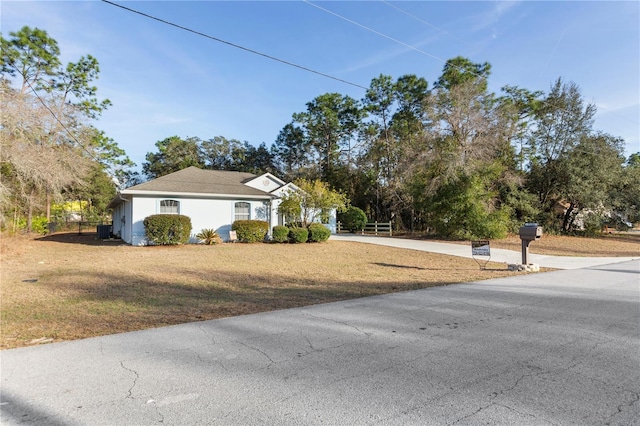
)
(529, 232)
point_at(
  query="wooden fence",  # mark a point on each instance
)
(81, 227)
(376, 228)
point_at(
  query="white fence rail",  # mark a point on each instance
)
(376, 228)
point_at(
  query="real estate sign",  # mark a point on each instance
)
(480, 248)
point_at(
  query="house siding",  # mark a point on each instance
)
(214, 213)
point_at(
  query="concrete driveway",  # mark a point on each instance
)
(555, 348)
(497, 255)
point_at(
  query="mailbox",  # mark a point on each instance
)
(529, 232)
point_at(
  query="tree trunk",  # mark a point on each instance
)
(48, 206)
(566, 221)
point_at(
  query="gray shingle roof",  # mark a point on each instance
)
(197, 181)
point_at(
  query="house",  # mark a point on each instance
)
(211, 198)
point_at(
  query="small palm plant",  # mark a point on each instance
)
(209, 237)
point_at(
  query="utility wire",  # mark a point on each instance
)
(53, 114)
(375, 32)
(294, 64)
(424, 22)
(246, 49)
(422, 51)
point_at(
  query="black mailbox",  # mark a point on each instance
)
(530, 232)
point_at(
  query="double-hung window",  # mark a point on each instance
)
(242, 211)
(170, 206)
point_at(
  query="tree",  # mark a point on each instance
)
(588, 187)
(220, 153)
(292, 154)
(173, 154)
(312, 201)
(48, 146)
(330, 124)
(30, 55)
(460, 70)
(626, 192)
(562, 120)
(258, 160)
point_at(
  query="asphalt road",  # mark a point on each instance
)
(556, 348)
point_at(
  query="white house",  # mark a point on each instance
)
(210, 198)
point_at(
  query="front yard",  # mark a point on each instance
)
(65, 286)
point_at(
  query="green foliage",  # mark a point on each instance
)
(250, 231)
(462, 210)
(318, 233)
(329, 123)
(39, 225)
(353, 219)
(209, 237)
(174, 154)
(298, 235)
(167, 229)
(280, 234)
(313, 202)
(460, 70)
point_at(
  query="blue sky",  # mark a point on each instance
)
(163, 81)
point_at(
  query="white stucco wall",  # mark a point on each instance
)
(204, 213)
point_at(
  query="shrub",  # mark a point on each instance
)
(280, 234)
(298, 235)
(209, 237)
(353, 219)
(39, 225)
(318, 233)
(250, 231)
(167, 229)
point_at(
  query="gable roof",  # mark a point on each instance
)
(193, 180)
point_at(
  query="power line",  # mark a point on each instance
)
(424, 22)
(53, 114)
(246, 49)
(375, 32)
(422, 51)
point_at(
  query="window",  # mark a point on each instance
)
(242, 211)
(169, 206)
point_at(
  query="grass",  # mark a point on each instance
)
(66, 286)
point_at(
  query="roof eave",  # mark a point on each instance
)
(199, 194)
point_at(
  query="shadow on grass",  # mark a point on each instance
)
(392, 265)
(89, 239)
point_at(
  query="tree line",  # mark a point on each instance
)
(455, 159)
(452, 158)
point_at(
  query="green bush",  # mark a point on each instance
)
(167, 229)
(280, 234)
(318, 233)
(250, 231)
(209, 237)
(298, 235)
(353, 219)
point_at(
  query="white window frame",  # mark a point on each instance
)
(169, 207)
(241, 215)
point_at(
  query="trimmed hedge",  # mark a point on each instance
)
(167, 229)
(280, 234)
(250, 231)
(298, 235)
(354, 219)
(318, 233)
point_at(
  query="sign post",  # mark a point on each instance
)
(481, 249)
